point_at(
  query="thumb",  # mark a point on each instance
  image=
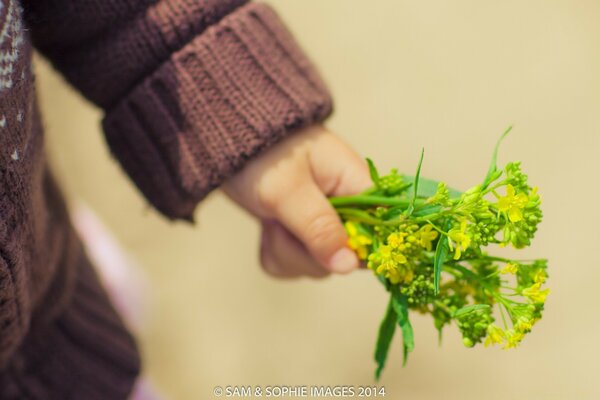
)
(342, 175)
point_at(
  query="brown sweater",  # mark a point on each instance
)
(191, 89)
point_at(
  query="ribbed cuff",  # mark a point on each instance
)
(229, 94)
(85, 353)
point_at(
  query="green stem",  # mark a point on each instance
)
(369, 191)
(436, 228)
(444, 307)
(360, 216)
(493, 188)
(502, 314)
(369, 200)
(470, 275)
(466, 272)
(501, 259)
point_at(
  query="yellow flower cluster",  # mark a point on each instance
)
(510, 268)
(395, 259)
(535, 294)
(460, 238)
(522, 322)
(427, 243)
(510, 337)
(391, 263)
(357, 241)
(513, 204)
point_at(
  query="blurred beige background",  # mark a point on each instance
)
(449, 76)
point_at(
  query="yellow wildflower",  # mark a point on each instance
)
(426, 235)
(535, 294)
(391, 264)
(356, 240)
(400, 274)
(495, 335)
(396, 240)
(513, 205)
(540, 276)
(510, 268)
(524, 324)
(460, 238)
(513, 338)
(390, 257)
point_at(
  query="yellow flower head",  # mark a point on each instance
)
(400, 274)
(426, 235)
(513, 204)
(513, 338)
(535, 294)
(390, 263)
(356, 240)
(460, 238)
(510, 268)
(524, 324)
(540, 276)
(396, 240)
(495, 335)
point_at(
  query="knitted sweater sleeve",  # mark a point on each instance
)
(192, 89)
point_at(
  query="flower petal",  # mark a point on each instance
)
(515, 214)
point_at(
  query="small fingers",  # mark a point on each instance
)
(307, 214)
(282, 255)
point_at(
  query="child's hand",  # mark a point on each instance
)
(287, 188)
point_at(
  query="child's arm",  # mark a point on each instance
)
(192, 91)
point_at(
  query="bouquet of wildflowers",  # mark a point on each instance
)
(427, 244)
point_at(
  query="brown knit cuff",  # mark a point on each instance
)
(233, 91)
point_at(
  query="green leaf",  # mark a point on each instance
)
(428, 187)
(441, 254)
(426, 210)
(384, 339)
(373, 172)
(393, 213)
(469, 309)
(400, 303)
(493, 167)
(411, 206)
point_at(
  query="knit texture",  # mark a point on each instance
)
(191, 89)
(84, 353)
(223, 98)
